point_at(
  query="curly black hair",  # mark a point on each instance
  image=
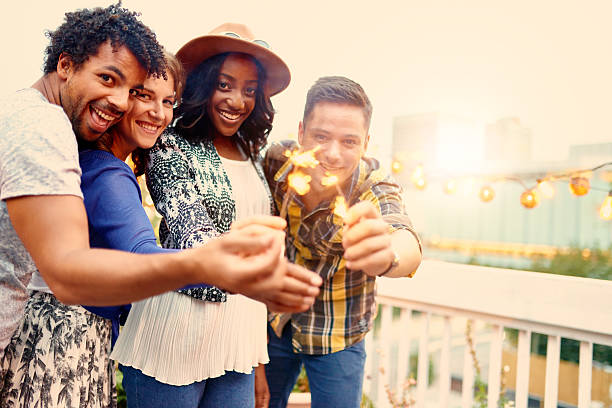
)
(83, 31)
(193, 121)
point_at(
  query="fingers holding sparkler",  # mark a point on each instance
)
(367, 239)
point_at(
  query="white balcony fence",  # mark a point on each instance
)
(557, 306)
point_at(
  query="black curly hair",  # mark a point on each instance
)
(193, 121)
(83, 31)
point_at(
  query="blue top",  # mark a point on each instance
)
(116, 217)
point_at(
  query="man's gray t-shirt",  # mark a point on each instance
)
(38, 156)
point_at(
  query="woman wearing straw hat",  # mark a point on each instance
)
(198, 348)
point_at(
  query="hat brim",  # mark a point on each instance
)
(199, 49)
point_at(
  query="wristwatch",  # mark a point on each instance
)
(394, 264)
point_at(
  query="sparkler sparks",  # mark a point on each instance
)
(303, 159)
(340, 208)
(299, 182)
(329, 180)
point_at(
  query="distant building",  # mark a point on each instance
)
(415, 137)
(589, 155)
(507, 140)
(454, 224)
(442, 142)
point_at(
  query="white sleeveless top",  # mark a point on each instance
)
(180, 340)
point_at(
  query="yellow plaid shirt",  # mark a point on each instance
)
(344, 310)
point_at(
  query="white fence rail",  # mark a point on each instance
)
(557, 306)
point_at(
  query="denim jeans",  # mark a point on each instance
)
(230, 390)
(336, 379)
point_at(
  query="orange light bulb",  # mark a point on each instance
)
(486, 194)
(530, 199)
(579, 186)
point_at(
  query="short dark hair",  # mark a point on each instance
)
(193, 121)
(338, 89)
(83, 31)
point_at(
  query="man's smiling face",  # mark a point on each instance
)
(95, 94)
(341, 132)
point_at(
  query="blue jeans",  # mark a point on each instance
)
(336, 379)
(230, 390)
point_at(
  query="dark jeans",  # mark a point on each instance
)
(230, 390)
(336, 379)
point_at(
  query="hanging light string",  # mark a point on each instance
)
(579, 184)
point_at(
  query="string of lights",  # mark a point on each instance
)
(578, 182)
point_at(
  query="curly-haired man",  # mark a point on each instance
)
(95, 59)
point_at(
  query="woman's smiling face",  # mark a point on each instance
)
(150, 114)
(233, 99)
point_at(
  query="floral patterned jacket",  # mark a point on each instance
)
(192, 192)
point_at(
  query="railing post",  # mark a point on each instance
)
(467, 389)
(403, 351)
(384, 357)
(423, 364)
(585, 370)
(445, 379)
(495, 362)
(522, 368)
(368, 375)
(553, 354)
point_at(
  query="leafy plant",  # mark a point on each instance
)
(301, 385)
(121, 397)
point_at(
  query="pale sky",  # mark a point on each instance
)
(547, 62)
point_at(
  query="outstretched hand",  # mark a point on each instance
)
(256, 266)
(367, 240)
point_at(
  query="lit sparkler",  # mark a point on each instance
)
(329, 180)
(297, 181)
(303, 159)
(340, 208)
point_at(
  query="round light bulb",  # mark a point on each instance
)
(420, 183)
(605, 211)
(418, 173)
(579, 186)
(396, 166)
(450, 187)
(486, 194)
(546, 188)
(530, 199)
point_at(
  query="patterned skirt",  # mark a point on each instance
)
(58, 357)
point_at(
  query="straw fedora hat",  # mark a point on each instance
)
(232, 37)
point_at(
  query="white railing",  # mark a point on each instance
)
(557, 306)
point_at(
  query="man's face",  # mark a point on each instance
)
(340, 131)
(96, 95)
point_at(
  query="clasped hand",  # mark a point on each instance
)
(281, 285)
(367, 240)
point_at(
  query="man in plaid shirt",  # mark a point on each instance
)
(374, 238)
